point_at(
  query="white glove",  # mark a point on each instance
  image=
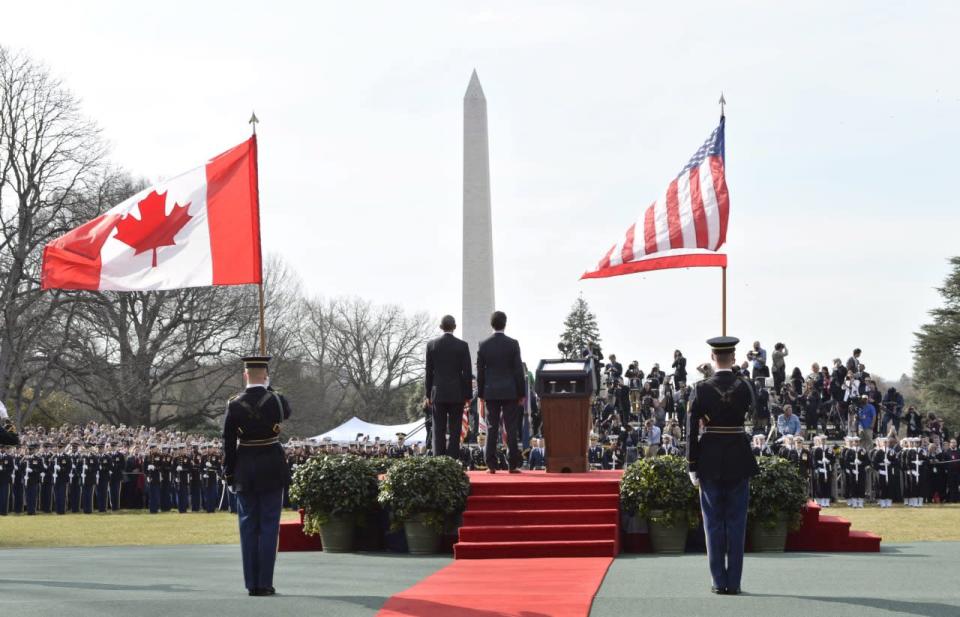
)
(179, 468)
(150, 467)
(208, 464)
(693, 478)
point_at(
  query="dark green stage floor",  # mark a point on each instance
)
(920, 579)
(904, 579)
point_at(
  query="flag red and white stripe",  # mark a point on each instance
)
(199, 228)
(684, 227)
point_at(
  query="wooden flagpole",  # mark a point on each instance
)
(263, 329)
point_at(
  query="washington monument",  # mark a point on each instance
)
(478, 296)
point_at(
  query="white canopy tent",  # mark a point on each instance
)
(348, 431)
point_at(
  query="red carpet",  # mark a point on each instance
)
(830, 534)
(535, 514)
(504, 588)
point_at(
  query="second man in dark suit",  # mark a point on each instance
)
(500, 384)
(449, 387)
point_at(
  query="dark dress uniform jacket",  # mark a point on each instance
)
(253, 416)
(7, 438)
(500, 375)
(724, 400)
(449, 376)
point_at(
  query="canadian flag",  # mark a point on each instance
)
(198, 229)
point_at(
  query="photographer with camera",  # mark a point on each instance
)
(892, 405)
(758, 361)
(679, 370)
(780, 352)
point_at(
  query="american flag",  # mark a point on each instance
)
(684, 227)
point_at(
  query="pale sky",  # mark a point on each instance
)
(842, 125)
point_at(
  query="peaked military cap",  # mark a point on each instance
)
(723, 343)
(256, 361)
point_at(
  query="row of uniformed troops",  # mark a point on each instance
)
(48, 478)
(890, 472)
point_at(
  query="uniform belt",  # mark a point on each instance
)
(724, 430)
(269, 441)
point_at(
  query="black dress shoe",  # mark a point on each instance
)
(268, 591)
(491, 471)
(514, 470)
(254, 592)
(720, 591)
(734, 592)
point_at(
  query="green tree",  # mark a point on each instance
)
(936, 359)
(580, 329)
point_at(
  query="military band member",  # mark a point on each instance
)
(760, 447)
(46, 478)
(210, 463)
(720, 463)
(6, 480)
(62, 472)
(152, 471)
(882, 461)
(595, 452)
(196, 470)
(853, 461)
(181, 477)
(912, 461)
(104, 469)
(254, 468)
(116, 474)
(33, 470)
(75, 479)
(538, 455)
(822, 459)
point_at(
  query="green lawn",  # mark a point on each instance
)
(130, 528)
(902, 524)
(124, 528)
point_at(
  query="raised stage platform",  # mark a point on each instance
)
(536, 514)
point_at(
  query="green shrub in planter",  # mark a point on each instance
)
(428, 488)
(334, 487)
(659, 489)
(777, 494)
(381, 464)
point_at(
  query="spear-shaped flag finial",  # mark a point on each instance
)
(253, 122)
(722, 102)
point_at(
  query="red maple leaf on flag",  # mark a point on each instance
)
(154, 228)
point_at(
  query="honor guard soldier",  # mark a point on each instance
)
(822, 471)
(104, 470)
(6, 480)
(721, 463)
(62, 473)
(255, 469)
(116, 474)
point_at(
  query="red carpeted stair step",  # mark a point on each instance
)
(542, 502)
(609, 516)
(507, 550)
(862, 541)
(546, 487)
(533, 533)
(292, 538)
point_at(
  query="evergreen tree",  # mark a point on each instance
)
(580, 330)
(936, 360)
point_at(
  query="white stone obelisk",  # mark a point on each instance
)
(478, 295)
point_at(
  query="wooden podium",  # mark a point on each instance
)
(565, 388)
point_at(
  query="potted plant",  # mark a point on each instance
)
(778, 495)
(335, 492)
(421, 492)
(658, 489)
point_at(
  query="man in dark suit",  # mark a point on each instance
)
(721, 462)
(255, 468)
(449, 387)
(500, 384)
